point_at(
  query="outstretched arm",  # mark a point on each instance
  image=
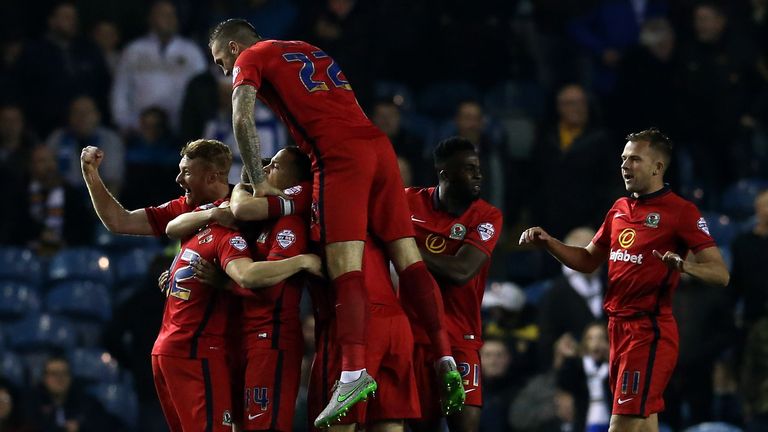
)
(112, 214)
(582, 259)
(262, 274)
(457, 269)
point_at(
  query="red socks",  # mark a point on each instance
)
(351, 319)
(424, 303)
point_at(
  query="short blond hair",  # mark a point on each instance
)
(212, 151)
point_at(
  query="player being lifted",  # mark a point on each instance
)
(456, 232)
(357, 189)
(645, 238)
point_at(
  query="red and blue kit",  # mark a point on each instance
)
(638, 301)
(189, 358)
(442, 233)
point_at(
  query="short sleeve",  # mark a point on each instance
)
(159, 216)
(693, 229)
(288, 238)
(298, 204)
(602, 238)
(249, 66)
(485, 232)
(231, 246)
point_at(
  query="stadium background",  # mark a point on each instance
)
(545, 89)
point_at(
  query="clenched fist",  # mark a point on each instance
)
(90, 158)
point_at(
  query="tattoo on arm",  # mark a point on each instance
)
(243, 100)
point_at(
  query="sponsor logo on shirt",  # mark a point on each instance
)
(207, 239)
(627, 238)
(702, 225)
(238, 243)
(624, 256)
(486, 230)
(435, 244)
(286, 238)
(458, 231)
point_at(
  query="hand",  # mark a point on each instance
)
(535, 236)
(671, 259)
(223, 216)
(208, 273)
(264, 189)
(162, 282)
(313, 265)
(90, 158)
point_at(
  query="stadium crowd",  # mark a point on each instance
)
(545, 90)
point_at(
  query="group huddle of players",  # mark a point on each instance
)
(332, 214)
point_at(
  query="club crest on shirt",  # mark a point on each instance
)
(238, 243)
(702, 225)
(295, 190)
(286, 238)
(652, 220)
(486, 231)
(458, 231)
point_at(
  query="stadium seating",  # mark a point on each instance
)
(12, 368)
(132, 266)
(117, 242)
(739, 198)
(394, 91)
(441, 98)
(80, 264)
(17, 264)
(119, 400)
(721, 227)
(80, 300)
(17, 300)
(515, 98)
(94, 365)
(41, 332)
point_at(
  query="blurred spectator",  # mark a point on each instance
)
(16, 143)
(59, 67)
(84, 129)
(272, 133)
(106, 36)
(154, 70)
(607, 31)
(387, 117)
(585, 378)
(200, 103)
(151, 161)
(10, 87)
(48, 213)
(540, 407)
(499, 385)
(726, 402)
(471, 124)
(10, 412)
(406, 173)
(717, 83)
(570, 157)
(574, 301)
(273, 19)
(58, 406)
(754, 376)
(646, 91)
(747, 272)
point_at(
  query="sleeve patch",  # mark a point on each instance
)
(486, 231)
(285, 238)
(295, 190)
(702, 226)
(235, 73)
(238, 243)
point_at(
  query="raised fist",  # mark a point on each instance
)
(90, 158)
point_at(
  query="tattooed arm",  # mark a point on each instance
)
(243, 105)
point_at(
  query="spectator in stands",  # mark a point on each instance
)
(84, 129)
(499, 385)
(754, 375)
(48, 213)
(154, 70)
(106, 35)
(607, 31)
(574, 301)
(10, 51)
(58, 406)
(16, 142)
(406, 173)
(387, 117)
(200, 103)
(10, 412)
(572, 155)
(584, 376)
(471, 124)
(748, 273)
(59, 67)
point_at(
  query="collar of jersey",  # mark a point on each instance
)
(664, 190)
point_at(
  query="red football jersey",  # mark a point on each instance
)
(306, 89)
(196, 314)
(443, 233)
(270, 316)
(638, 282)
(159, 216)
(299, 204)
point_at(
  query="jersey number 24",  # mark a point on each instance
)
(308, 70)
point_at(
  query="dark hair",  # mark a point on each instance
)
(234, 29)
(657, 141)
(711, 4)
(303, 164)
(448, 147)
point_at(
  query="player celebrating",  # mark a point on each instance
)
(357, 188)
(644, 237)
(456, 232)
